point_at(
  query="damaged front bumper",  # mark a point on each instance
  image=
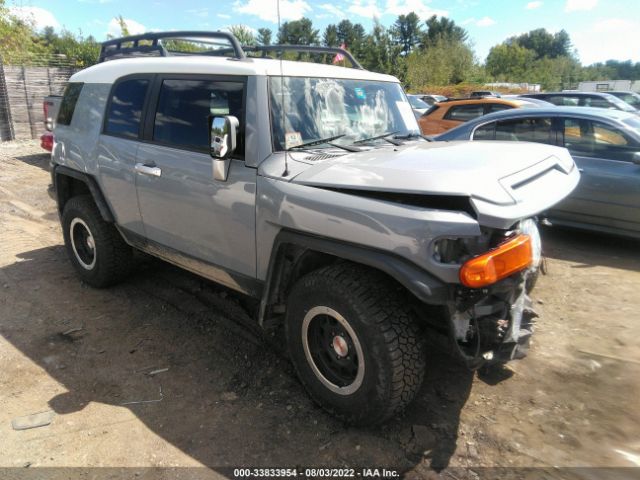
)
(492, 325)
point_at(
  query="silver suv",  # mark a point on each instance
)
(308, 187)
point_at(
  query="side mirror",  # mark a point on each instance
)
(223, 134)
(636, 158)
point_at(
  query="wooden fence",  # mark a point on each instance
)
(22, 90)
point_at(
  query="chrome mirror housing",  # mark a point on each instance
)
(223, 135)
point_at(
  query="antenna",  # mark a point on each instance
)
(284, 116)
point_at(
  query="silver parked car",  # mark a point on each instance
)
(632, 98)
(605, 145)
(309, 188)
(418, 105)
(583, 99)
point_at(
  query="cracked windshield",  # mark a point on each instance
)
(339, 110)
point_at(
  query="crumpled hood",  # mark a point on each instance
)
(502, 179)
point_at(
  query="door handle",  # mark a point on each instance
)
(148, 170)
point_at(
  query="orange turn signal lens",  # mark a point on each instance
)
(507, 258)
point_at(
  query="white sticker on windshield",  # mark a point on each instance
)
(292, 139)
(408, 117)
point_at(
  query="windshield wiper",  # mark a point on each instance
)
(409, 136)
(383, 136)
(328, 141)
(319, 141)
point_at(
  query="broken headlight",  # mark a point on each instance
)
(530, 227)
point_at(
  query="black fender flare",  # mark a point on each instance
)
(89, 181)
(420, 283)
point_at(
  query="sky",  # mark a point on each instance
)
(599, 29)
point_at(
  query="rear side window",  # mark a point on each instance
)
(68, 104)
(525, 130)
(125, 108)
(464, 113)
(184, 107)
(562, 100)
(536, 130)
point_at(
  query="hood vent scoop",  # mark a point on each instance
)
(321, 156)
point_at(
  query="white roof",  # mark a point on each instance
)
(109, 71)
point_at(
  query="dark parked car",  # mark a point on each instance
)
(605, 145)
(583, 99)
(485, 93)
(632, 98)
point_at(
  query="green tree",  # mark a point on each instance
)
(445, 62)
(264, 36)
(298, 32)
(442, 28)
(352, 35)
(243, 33)
(406, 32)
(330, 36)
(510, 62)
(124, 28)
(544, 44)
(377, 49)
(18, 42)
(82, 51)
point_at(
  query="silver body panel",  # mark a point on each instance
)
(232, 224)
(607, 198)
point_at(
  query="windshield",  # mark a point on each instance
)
(631, 98)
(620, 104)
(417, 103)
(318, 108)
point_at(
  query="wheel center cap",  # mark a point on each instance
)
(340, 346)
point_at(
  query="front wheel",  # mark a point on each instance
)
(354, 343)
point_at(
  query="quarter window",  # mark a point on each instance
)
(597, 103)
(464, 113)
(69, 101)
(486, 132)
(125, 108)
(184, 108)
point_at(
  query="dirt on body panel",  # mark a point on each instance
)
(221, 395)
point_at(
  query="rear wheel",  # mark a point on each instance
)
(96, 249)
(354, 343)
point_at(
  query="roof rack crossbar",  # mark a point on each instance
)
(114, 47)
(304, 48)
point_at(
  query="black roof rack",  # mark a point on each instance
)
(114, 47)
(153, 45)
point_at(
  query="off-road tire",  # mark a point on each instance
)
(393, 347)
(112, 254)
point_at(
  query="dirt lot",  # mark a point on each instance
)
(229, 398)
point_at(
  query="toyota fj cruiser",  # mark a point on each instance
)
(308, 187)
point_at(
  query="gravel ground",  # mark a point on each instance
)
(225, 397)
